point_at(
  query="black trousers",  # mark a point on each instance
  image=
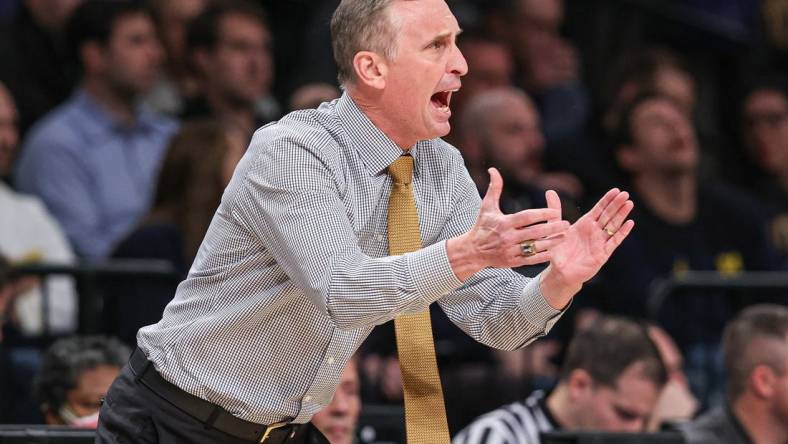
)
(132, 413)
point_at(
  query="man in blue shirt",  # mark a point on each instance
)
(93, 160)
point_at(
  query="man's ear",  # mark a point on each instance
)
(371, 69)
(762, 381)
(580, 384)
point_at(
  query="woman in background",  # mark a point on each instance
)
(198, 166)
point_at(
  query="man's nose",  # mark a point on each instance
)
(457, 64)
(341, 405)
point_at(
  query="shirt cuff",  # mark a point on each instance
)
(431, 272)
(535, 307)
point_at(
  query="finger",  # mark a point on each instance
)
(540, 231)
(619, 218)
(493, 196)
(616, 239)
(549, 243)
(538, 258)
(603, 203)
(553, 201)
(533, 216)
(610, 211)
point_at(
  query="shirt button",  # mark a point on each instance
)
(307, 398)
(379, 237)
(330, 360)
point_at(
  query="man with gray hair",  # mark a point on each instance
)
(755, 349)
(339, 219)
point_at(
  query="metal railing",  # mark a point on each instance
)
(663, 289)
(89, 277)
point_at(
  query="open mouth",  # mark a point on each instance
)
(442, 99)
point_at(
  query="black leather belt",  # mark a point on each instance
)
(208, 413)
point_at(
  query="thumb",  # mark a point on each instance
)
(553, 201)
(492, 198)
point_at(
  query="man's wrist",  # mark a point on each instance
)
(556, 290)
(464, 261)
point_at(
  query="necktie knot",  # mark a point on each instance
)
(401, 170)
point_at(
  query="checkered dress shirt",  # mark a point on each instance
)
(293, 273)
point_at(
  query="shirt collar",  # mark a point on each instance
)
(376, 150)
(101, 120)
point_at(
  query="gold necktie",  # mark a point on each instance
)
(425, 414)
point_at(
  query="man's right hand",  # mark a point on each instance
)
(495, 240)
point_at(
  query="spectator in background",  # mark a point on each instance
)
(38, 66)
(229, 44)
(684, 225)
(548, 65)
(764, 113)
(755, 349)
(198, 166)
(311, 95)
(502, 125)
(610, 381)
(649, 69)
(28, 233)
(179, 81)
(676, 402)
(75, 376)
(338, 420)
(490, 66)
(93, 160)
(591, 156)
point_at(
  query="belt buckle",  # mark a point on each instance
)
(270, 429)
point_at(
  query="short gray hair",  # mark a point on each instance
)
(757, 336)
(360, 25)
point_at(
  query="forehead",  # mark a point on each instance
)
(181, 8)
(235, 24)
(422, 19)
(766, 98)
(633, 391)
(516, 107)
(656, 107)
(132, 22)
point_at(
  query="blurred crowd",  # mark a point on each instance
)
(121, 122)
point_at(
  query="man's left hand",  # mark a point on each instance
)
(586, 246)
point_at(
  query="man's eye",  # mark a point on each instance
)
(437, 45)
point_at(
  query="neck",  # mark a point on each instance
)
(560, 407)
(671, 197)
(758, 421)
(118, 105)
(379, 116)
(232, 114)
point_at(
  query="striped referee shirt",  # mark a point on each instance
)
(293, 272)
(517, 423)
